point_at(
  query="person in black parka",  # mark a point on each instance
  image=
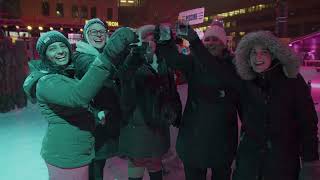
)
(208, 134)
(279, 121)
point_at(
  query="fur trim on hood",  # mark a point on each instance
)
(145, 30)
(289, 61)
(86, 48)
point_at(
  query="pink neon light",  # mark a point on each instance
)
(315, 85)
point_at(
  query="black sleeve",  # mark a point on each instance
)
(222, 71)
(308, 121)
(173, 58)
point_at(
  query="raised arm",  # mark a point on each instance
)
(58, 89)
(173, 58)
(61, 90)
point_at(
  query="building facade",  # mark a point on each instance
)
(35, 16)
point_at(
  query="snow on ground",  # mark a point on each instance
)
(22, 130)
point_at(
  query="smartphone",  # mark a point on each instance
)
(182, 28)
(165, 32)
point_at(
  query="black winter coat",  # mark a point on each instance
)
(145, 95)
(279, 122)
(208, 135)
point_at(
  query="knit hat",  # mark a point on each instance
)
(91, 22)
(48, 38)
(216, 29)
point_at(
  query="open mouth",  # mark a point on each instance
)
(59, 58)
(98, 40)
(259, 63)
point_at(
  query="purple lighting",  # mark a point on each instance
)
(315, 85)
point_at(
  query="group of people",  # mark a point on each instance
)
(117, 96)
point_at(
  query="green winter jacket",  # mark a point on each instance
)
(63, 101)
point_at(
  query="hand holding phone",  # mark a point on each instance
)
(165, 32)
(182, 27)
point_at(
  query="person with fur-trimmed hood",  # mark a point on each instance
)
(279, 121)
(106, 103)
(149, 103)
(279, 124)
(208, 134)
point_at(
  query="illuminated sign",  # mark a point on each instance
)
(112, 23)
(193, 16)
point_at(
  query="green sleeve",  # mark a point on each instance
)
(64, 91)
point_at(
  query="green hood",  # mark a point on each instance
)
(29, 85)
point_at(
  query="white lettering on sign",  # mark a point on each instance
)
(193, 16)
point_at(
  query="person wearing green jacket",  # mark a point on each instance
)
(105, 103)
(68, 145)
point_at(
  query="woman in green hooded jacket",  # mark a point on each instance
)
(68, 145)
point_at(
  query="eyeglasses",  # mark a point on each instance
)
(94, 32)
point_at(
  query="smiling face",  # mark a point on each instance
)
(214, 45)
(58, 53)
(260, 58)
(97, 35)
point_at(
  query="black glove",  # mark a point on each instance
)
(131, 63)
(157, 34)
(118, 44)
(136, 57)
(192, 35)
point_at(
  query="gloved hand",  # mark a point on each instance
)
(157, 34)
(131, 63)
(192, 35)
(118, 43)
(310, 170)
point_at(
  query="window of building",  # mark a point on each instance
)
(84, 12)
(45, 8)
(242, 11)
(227, 24)
(93, 12)
(234, 23)
(75, 11)
(130, 2)
(59, 10)
(109, 13)
(242, 33)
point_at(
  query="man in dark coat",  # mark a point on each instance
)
(208, 133)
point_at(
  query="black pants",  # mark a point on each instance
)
(201, 173)
(96, 169)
